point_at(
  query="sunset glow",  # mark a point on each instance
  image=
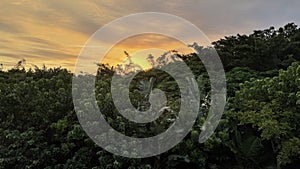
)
(54, 32)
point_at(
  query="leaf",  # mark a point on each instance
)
(251, 147)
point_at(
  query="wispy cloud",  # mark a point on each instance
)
(55, 31)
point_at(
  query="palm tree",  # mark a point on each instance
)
(131, 66)
(20, 64)
(150, 59)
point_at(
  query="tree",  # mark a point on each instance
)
(270, 107)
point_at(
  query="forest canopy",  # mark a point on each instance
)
(259, 129)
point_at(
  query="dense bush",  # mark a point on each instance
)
(259, 129)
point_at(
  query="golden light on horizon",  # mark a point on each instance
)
(140, 46)
(54, 32)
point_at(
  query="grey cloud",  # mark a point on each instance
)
(222, 16)
(36, 40)
(80, 16)
(7, 27)
(50, 54)
(213, 17)
(4, 54)
(233, 16)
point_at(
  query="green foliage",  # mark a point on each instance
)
(260, 128)
(262, 50)
(270, 107)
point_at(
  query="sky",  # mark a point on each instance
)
(53, 32)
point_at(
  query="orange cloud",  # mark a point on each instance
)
(137, 47)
